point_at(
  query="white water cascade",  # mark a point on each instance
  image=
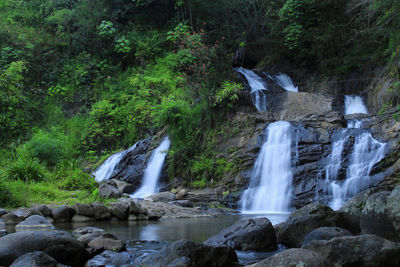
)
(284, 81)
(106, 169)
(257, 86)
(271, 179)
(153, 170)
(366, 152)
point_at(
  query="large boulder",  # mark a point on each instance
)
(162, 197)
(36, 259)
(182, 203)
(393, 208)
(189, 253)
(63, 214)
(108, 189)
(101, 212)
(303, 221)
(58, 244)
(249, 234)
(43, 209)
(375, 217)
(2, 212)
(109, 258)
(120, 210)
(34, 222)
(11, 218)
(85, 210)
(362, 250)
(325, 233)
(124, 187)
(294, 257)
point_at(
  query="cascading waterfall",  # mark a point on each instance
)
(153, 170)
(106, 169)
(366, 152)
(354, 104)
(257, 86)
(271, 179)
(284, 81)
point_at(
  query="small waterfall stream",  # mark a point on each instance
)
(366, 152)
(152, 172)
(257, 85)
(106, 169)
(284, 81)
(271, 179)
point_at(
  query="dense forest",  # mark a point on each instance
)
(81, 79)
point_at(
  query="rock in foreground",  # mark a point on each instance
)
(250, 234)
(186, 253)
(363, 250)
(58, 244)
(295, 257)
(36, 259)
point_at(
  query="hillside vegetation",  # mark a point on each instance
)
(82, 79)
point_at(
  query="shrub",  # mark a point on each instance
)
(76, 179)
(6, 198)
(48, 147)
(26, 169)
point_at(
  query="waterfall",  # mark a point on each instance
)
(153, 170)
(106, 169)
(257, 86)
(366, 152)
(271, 179)
(354, 104)
(284, 81)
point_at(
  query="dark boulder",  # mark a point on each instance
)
(124, 187)
(109, 258)
(393, 208)
(131, 166)
(120, 210)
(2, 212)
(101, 212)
(325, 233)
(85, 239)
(36, 259)
(188, 253)
(305, 220)
(34, 222)
(58, 244)
(108, 189)
(249, 234)
(362, 250)
(106, 243)
(294, 257)
(375, 217)
(11, 218)
(43, 209)
(85, 210)
(63, 214)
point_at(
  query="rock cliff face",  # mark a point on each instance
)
(316, 123)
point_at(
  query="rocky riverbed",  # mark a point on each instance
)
(365, 232)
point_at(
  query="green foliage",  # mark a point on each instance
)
(229, 92)
(122, 45)
(106, 29)
(6, 198)
(48, 147)
(76, 179)
(26, 169)
(199, 183)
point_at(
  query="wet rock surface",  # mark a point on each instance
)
(325, 233)
(57, 244)
(362, 250)
(303, 221)
(36, 259)
(294, 257)
(109, 258)
(249, 234)
(188, 253)
(34, 222)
